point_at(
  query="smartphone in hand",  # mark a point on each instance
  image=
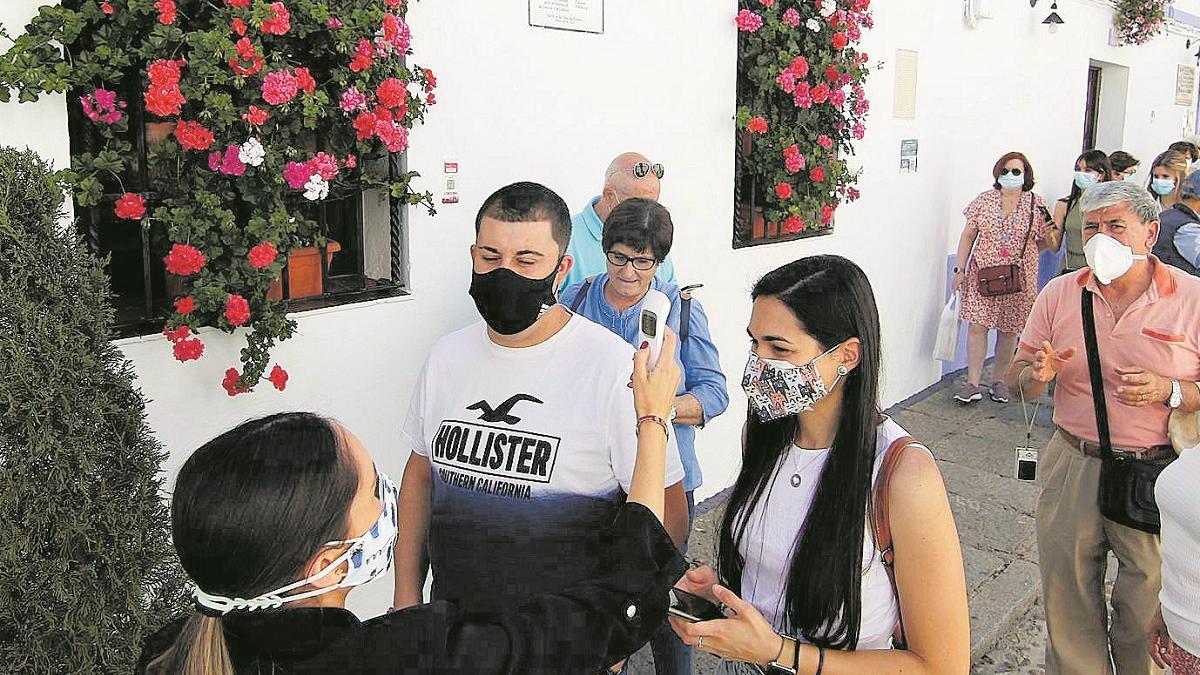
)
(691, 607)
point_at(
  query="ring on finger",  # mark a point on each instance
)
(700, 643)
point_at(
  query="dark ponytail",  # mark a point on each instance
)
(250, 509)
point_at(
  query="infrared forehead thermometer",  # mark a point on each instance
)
(652, 324)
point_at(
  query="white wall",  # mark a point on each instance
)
(518, 103)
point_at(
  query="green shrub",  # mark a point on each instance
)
(86, 564)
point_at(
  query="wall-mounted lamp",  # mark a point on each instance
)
(1033, 3)
(1053, 20)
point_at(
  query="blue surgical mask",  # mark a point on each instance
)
(1011, 182)
(1162, 186)
(1084, 180)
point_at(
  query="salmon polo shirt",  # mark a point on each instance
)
(1160, 332)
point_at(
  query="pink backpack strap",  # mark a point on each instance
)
(880, 520)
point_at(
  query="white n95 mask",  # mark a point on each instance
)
(1108, 258)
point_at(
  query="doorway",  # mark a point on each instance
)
(1104, 110)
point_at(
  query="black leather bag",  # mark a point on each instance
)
(1126, 484)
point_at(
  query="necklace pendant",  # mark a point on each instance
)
(796, 480)
(1004, 252)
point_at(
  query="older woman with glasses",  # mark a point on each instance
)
(997, 269)
(636, 239)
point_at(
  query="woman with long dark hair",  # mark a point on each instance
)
(798, 563)
(1091, 167)
(278, 519)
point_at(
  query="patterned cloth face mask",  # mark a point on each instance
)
(778, 389)
(369, 557)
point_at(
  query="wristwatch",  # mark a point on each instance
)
(674, 414)
(1176, 399)
(777, 668)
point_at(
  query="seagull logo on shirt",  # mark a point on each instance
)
(501, 413)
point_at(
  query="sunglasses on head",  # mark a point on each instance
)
(1005, 172)
(642, 168)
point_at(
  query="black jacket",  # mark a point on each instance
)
(581, 630)
(1169, 223)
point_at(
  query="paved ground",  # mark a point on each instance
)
(974, 448)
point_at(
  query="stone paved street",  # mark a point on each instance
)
(974, 447)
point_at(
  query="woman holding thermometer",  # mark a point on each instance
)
(837, 552)
(630, 301)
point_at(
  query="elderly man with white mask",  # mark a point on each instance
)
(629, 175)
(1112, 438)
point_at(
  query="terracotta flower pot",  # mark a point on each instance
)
(157, 132)
(304, 272)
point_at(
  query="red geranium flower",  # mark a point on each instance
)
(163, 97)
(757, 125)
(832, 74)
(231, 379)
(392, 93)
(185, 305)
(840, 40)
(350, 162)
(188, 350)
(262, 255)
(820, 93)
(364, 124)
(238, 3)
(324, 165)
(237, 310)
(257, 116)
(826, 215)
(824, 141)
(130, 207)
(278, 377)
(238, 26)
(748, 21)
(280, 21)
(783, 190)
(176, 334)
(184, 260)
(817, 174)
(305, 81)
(793, 225)
(247, 61)
(363, 56)
(193, 135)
(107, 8)
(430, 80)
(166, 11)
(394, 3)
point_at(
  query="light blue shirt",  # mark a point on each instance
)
(699, 360)
(1187, 242)
(587, 232)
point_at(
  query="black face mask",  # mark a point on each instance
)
(509, 302)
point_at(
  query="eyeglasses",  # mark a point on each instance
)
(1005, 172)
(642, 168)
(639, 263)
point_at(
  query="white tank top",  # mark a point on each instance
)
(773, 531)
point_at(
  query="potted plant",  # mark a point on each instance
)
(1136, 22)
(801, 106)
(254, 110)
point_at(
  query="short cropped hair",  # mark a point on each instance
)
(1104, 195)
(641, 224)
(527, 202)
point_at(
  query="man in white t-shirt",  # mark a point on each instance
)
(522, 427)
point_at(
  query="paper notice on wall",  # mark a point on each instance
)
(904, 103)
(583, 16)
(908, 155)
(1185, 84)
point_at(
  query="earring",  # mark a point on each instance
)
(842, 370)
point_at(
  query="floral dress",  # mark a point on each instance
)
(999, 243)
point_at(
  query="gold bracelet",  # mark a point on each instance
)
(657, 420)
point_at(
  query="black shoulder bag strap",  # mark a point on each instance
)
(579, 297)
(1028, 232)
(1099, 402)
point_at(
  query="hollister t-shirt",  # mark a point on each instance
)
(532, 452)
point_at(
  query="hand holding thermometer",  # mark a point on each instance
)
(652, 325)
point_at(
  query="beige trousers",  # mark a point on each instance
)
(1073, 544)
